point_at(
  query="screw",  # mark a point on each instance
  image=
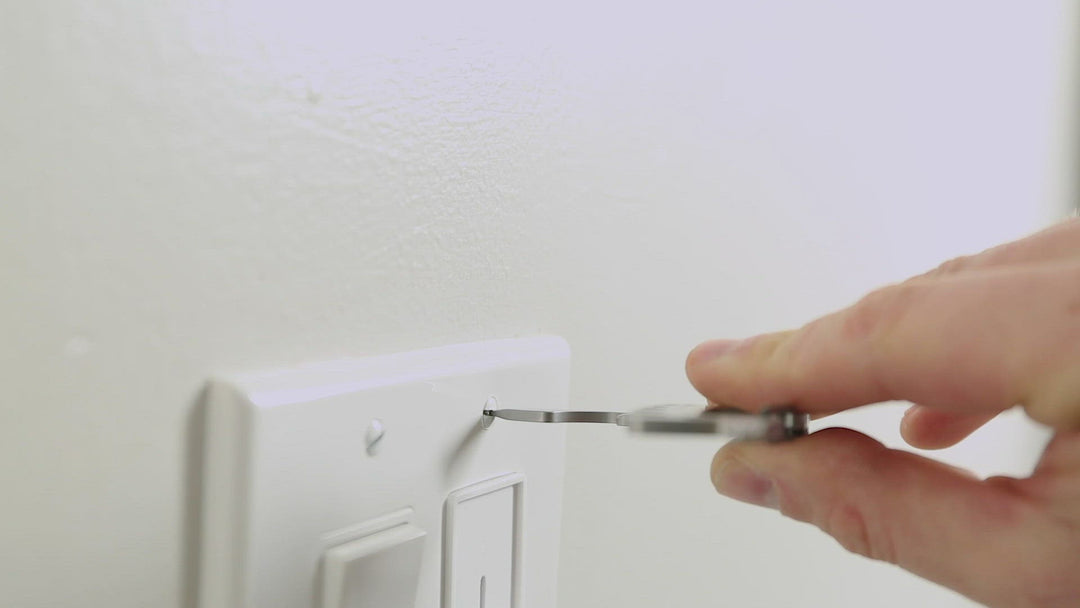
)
(490, 405)
(375, 432)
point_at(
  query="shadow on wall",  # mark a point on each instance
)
(191, 526)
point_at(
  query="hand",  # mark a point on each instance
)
(965, 342)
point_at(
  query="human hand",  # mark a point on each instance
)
(965, 342)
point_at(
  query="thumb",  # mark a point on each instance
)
(980, 538)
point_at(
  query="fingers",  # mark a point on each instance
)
(938, 522)
(1056, 400)
(1058, 242)
(975, 343)
(1055, 483)
(932, 429)
(901, 342)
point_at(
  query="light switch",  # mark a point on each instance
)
(374, 571)
(302, 462)
(482, 544)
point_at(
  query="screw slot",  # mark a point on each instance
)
(375, 433)
(486, 418)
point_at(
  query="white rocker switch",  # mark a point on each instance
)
(375, 571)
(482, 544)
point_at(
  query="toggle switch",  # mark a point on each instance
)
(482, 544)
(378, 570)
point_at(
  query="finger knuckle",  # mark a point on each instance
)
(770, 372)
(950, 267)
(876, 314)
(850, 527)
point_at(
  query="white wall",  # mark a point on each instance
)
(194, 187)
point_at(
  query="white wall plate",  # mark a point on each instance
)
(297, 460)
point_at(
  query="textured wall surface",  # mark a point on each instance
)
(194, 187)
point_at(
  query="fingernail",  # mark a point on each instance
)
(735, 480)
(714, 349)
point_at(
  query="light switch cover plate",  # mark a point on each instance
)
(296, 458)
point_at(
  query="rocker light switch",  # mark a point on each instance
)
(374, 571)
(482, 544)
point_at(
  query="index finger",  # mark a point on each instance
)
(971, 343)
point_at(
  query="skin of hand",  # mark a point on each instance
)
(966, 341)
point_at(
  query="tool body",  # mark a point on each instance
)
(780, 424)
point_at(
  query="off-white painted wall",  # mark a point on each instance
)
(196, 186)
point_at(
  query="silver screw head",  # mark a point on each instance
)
(490, 405)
